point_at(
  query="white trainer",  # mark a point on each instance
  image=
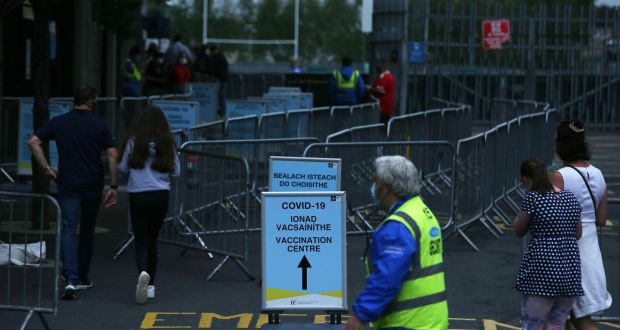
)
(141, 288)
(150, 291)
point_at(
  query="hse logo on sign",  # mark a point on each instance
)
(304, 250)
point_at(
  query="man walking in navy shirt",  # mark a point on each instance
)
(80, 136)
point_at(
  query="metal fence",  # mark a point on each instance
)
(211, 207)
(357, 171)
(31, 244)
(257, 153)
(563, 53)
(487, 167)
(209, 131)
(609, 239)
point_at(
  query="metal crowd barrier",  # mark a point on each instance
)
(29, 285)
(298, 123)
(357, 171)
(211, 208)
(340, 118)
(504, 110)
(179, 137)
(611, 234)
(367, 133)
(321, 123)
(272, 126)
(257, 153)
(209, 131)
(365, 114)
(241, 128)
(488, 170)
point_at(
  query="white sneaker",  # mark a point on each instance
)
(143, 282)
(150, 291)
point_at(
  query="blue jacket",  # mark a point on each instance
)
(391, 250)
(346, 97)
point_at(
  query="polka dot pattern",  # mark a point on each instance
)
(551, 264)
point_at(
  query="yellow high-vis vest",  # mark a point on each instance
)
(134, 74)
(422, 302)
(341, 83)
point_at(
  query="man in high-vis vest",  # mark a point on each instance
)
(346, 85)
(131, 78)
(405, 288)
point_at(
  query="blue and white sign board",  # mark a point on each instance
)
(274, 104)
(180, 114)
(416, 52)
(283, 90)
(304, 174)
(306, 100)
(24, 165)
(206, 95)
(293, 100)
(304, 251)
(240, 108)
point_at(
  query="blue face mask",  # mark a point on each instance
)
(373, 192)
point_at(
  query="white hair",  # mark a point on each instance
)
(398, 172)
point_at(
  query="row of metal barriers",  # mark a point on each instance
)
(206, 213)
(216, 200)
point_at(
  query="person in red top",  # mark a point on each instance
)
(181, 75)
(382, 89)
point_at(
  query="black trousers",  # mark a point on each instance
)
(147, 210)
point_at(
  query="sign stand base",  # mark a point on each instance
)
(335, 317)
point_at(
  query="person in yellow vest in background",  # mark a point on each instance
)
(346, 85)
(405, 288)
(131, 78)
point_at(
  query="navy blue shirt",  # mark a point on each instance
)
(80, 136)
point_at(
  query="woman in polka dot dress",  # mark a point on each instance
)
(550, 273)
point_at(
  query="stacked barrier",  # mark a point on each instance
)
(211, 207)
(613, 285)
(367, 133)
(298, 123)
(357, 166)
(320, 123)
(364, 114)
(209, 131)
(31, 288)
(257, 153)
(488, 170)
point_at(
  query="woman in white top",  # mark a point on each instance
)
(572, 149)
(150, 158)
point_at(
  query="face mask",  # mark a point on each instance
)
(373, 193)
(183, 61)
(160, 60)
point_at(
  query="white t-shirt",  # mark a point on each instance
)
(146, 179)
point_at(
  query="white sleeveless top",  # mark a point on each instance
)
(574, 183)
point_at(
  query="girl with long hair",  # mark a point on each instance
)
(150, 158)
(550, 274)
